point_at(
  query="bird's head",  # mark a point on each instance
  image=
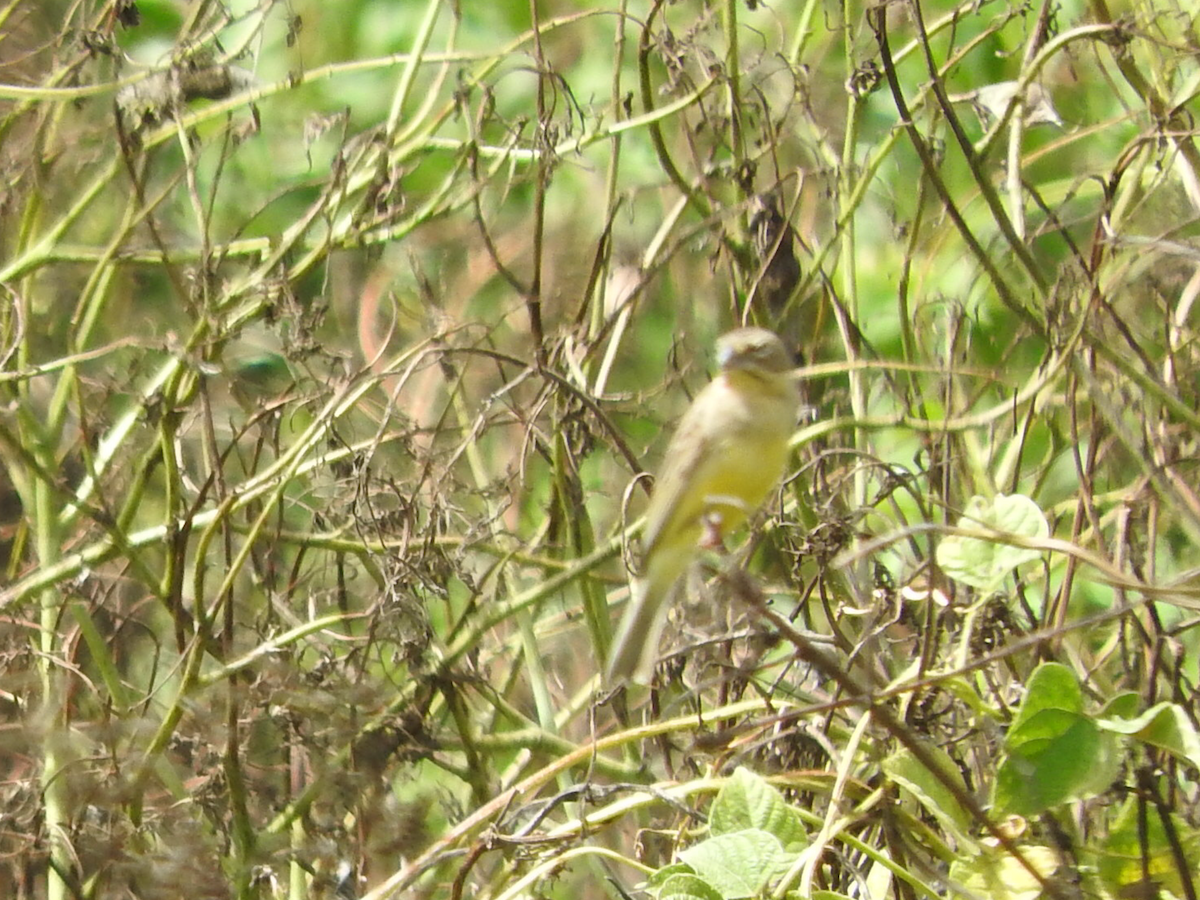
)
(753, 350)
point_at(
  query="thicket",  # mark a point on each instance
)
(335, 338)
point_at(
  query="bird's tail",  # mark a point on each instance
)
(635, 650)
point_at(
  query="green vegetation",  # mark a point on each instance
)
(335, 334)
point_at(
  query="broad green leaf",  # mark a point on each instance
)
(1051, 686)
(1053, 762)
(1173, 731)
(659, 877)
(1120, 857)
(996, 875)
(1123, 706)
(981, 562)
(740, 863)
(685, 886)
(912, 776)
(748, 801)
(1163, 725)
(1054, 752)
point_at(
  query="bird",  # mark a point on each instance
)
(730, 448)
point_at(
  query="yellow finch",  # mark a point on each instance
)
(729, 450)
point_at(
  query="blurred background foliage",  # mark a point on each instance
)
(335, 336)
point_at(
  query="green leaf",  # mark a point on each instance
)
(1124, 705)
(1163, 725)
(981, 562)
(997, 875)
(1052, 764)
(1051, 686)
(748, 801)
(1053, 751)
(1120, 857)
(659, 877)
(685, 886)
(912, 776)
(738, 864)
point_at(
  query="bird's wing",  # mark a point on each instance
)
(676, 503)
